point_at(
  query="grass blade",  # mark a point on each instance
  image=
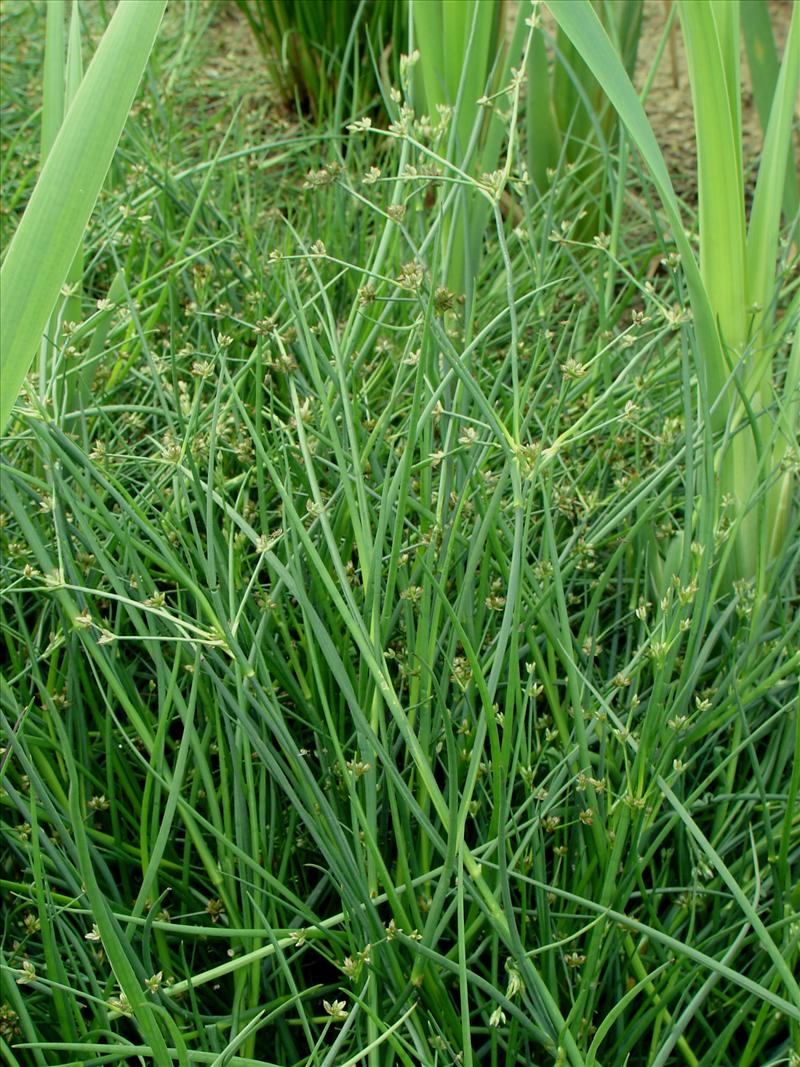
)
(762, 59)
(762, 234)
(53, 88)
(580, 22)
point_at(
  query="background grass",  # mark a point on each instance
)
(338, 665)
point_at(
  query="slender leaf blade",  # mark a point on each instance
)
(762, 235)
(762, 59)
(580, 22)
(710, 38)
(67, 190)
(53, 80)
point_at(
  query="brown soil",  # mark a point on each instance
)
(669, 104)
(234, 57)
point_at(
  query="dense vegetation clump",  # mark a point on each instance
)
(395, 667)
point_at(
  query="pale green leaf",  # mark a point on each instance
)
(49, 235)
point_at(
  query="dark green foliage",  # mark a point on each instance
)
(320, 53)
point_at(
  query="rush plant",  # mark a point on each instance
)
(312, 48)
(340, 724)
(762, 59)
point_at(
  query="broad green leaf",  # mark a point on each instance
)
(74, 68)
(762, 235)
(762, 59)
(710, 33)
(53, 91)
(735, 269)
(73, 79)
(580, 22)
(50, 233)
(543, 136)
(53, 80)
